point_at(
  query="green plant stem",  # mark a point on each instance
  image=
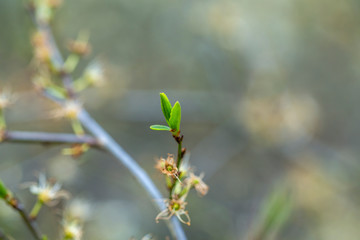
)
(2, 120)
(77, 127)
(80, 84)
(71, 63)
(36, 209)
(179, 141)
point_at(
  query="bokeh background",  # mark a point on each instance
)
(270, 94)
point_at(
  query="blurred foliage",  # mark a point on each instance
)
(268, 90)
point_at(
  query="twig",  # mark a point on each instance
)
(108, 142)
(48, 138)
(31, 223)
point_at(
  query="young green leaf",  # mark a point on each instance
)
(160, 127)
(175, 118)
(165, 106)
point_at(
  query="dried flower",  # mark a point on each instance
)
(70, 110)
(198, 183)
(167, 166)
(38, 39)
(174, 207)
(76, 150)
(54, 3)
(79, 47)
(42, 53)
(47, 192)
(72, 230)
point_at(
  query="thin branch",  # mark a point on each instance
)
(31, 223)
(48, 138)
(108, 142)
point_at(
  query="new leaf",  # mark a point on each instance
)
(165, 106)
(175, 118)
(160, 128)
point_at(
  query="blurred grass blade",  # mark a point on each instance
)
(275, 213)
(175, 117)
(165, 106)
(160, 127)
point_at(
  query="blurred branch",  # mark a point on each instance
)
(30, 222)
(107, 141)
(48, 138)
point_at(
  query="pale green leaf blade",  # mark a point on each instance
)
(165, 106)
(175, 117)
(160, 128)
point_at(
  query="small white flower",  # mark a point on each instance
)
(70, 110)
(94, 73)
(48, 193)
(72, 230)
(79, 209)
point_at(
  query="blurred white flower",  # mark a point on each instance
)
(72, 230)
(198, 183)
(47, 192)
(70, 110)
(79, 209)
(94, 74)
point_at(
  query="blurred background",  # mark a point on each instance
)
(269, 92)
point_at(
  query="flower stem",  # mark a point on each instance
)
(2, 120)
(36, 209)
(179, 156)
(77, 127)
